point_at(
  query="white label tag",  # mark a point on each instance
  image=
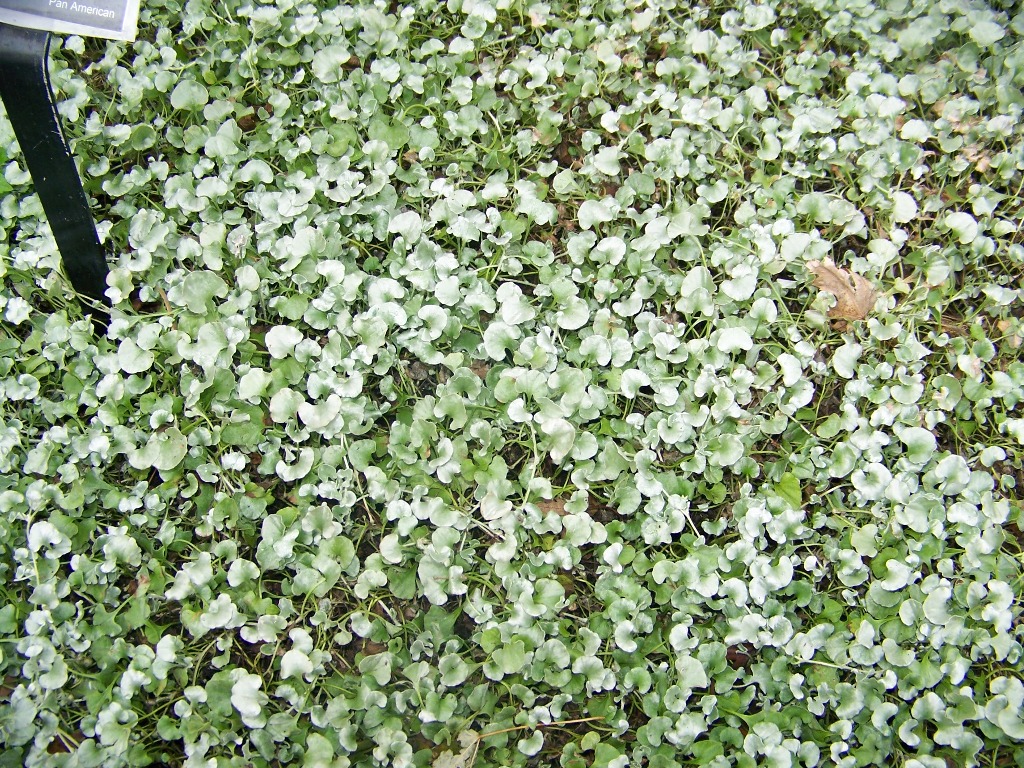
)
(114, 19)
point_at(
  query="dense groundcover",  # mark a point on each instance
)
(638, 383)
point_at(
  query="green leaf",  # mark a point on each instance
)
(863, 540)
(295, 663)
(920, 443)
(532, 744)
(724, 450)
(706, 751)
(319, 752)
(986, 33)
(574, 314)
(511, 657)
(8, 619)
(963, 225)
(788, 489)
(391, 132)
(163, 451)
(189, 95)
(132, 358)
(408, 224)
(641, 183)
(281, 340)
(327, 64)
(691, 672)
(255, 171)
(606, 160)
(605, 755)
(594, 212)
(562, 434)
(248, 698)
(734, 339)
(200, 288)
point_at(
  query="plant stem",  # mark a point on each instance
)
(538, 725)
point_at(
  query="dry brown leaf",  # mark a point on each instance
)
(469, 741)
(554, 505)
(855, 295)
(1014, 340)
(978, 155)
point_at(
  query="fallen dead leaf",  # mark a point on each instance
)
(979, 156)
(418, 371)
(469, 741)
(554, 505)
(740, 656)
(855, 295)
(248, 122)
(1014, 340)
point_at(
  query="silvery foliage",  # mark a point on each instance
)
(465, 375)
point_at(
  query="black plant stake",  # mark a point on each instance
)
(25, 90)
